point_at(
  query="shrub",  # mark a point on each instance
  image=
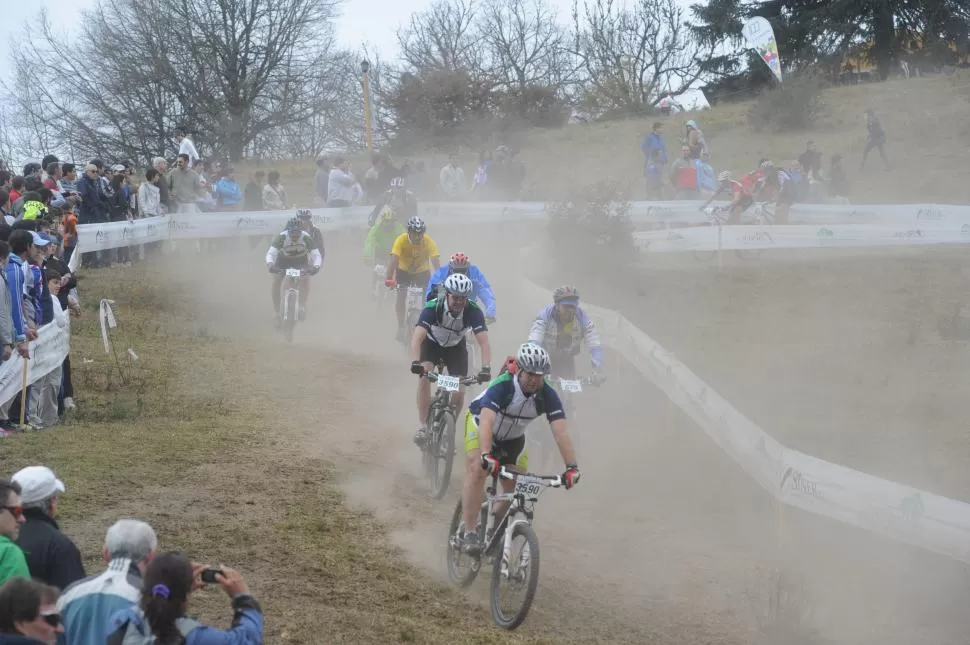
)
(592, 223)
(793, 106)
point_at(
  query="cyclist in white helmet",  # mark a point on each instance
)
(741, 196)
(495, 426)
(440, 334)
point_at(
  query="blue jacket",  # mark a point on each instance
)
(705, 176)
(481, 288)
(246, 629)
(15, 282)
(228, 192)
(650, 143)
(87, 605)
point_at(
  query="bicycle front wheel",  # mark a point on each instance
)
(518, 575)
(289, 321)
(441, 452)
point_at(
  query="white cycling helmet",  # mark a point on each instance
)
(724, 176)
(533, 358)
(458, 284)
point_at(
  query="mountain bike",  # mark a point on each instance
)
(290, 301)
(517, 569)
(378, 290)
(438, 450)
(541, 445)
(413, 304)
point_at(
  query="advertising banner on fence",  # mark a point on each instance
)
(46, 354)
(113, 235)
(794, 236)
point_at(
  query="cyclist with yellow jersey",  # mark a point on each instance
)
(412, 256)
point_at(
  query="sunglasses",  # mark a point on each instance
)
(54, 620)
(16, 511)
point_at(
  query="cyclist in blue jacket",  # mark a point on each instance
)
(482, 290)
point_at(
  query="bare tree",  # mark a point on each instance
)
(228, 70)
(632, 56)
(525, 45)
(443, 38)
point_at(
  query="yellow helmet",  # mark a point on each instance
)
(387, 214)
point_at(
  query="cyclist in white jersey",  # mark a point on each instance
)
(495, 426)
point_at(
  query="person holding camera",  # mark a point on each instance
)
(160, 617)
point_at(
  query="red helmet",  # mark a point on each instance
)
(511, 365)
(459, 262)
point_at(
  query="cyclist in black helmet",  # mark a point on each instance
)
(399, 198)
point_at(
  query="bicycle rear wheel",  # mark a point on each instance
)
(462, 568)
(441, 454)
(520, 574)
(289, 320)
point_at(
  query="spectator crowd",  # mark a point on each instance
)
(140, 598)
(691, 175)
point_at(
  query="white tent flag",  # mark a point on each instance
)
(760, 37)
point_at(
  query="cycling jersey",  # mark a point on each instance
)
(753, 181)
(738, 190)
(414, 258)
(447, 330)
(381, 238)
(286, 249)
(566, 338)
(317, 236)
(514, 409)
(480, 287)
(405, 206)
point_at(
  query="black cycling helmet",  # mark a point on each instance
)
(304, 214)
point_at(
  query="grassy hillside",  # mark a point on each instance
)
(925, 121)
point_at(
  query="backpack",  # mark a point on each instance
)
(128, 634)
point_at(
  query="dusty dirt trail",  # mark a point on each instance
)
(664, 541)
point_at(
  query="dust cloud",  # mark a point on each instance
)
(664, 541)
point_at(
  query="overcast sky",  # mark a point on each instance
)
(371, 22)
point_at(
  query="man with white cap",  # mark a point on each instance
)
(51, 555)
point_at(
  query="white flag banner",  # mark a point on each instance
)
(760, 37)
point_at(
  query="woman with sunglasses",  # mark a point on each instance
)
(12, 560)
(28, 613)
(160, 617)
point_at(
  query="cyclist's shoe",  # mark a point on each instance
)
(302, 314)
(421, 437)
(470, 544)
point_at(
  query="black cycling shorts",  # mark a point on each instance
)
(405, 279)
(508, 452)
(455, 358)
(283, 262)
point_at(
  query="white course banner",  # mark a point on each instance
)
(99, 237)
(794, 236)
(903, 513)
(47, 352)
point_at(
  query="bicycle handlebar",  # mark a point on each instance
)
(467, 380)
(553, 481)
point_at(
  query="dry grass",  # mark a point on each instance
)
(191, 441)
(925, 121)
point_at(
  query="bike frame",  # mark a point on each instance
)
(520, 502)
(291, 289)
